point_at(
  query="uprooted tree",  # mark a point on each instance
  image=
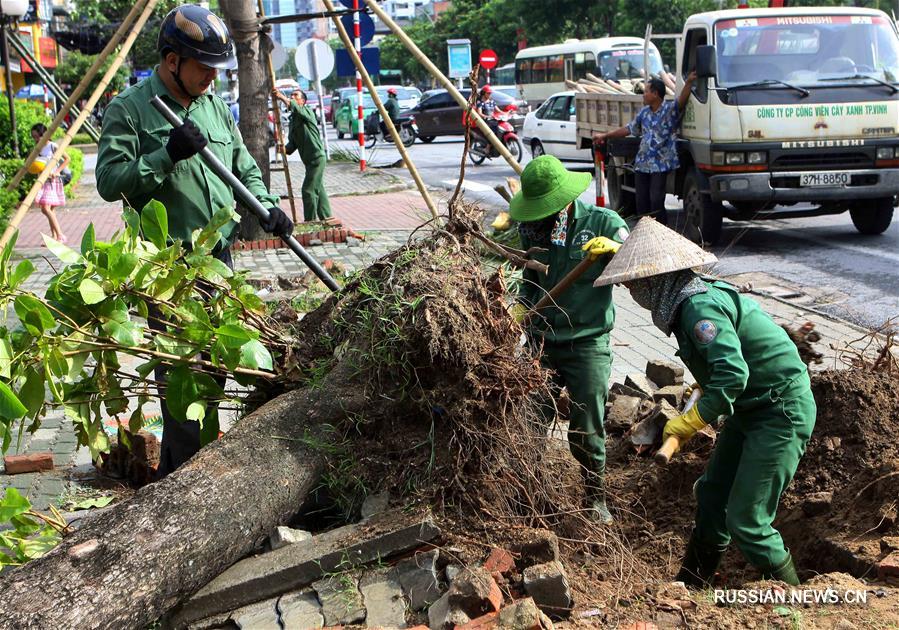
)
(410, 378)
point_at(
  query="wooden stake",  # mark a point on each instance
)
(76, 93)
(419, 183)
(76, 125)
(445, 82)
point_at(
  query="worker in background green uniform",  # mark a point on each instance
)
(142, 157)
(575, 331)
(392, 107)
(305, 136)
(750, 374)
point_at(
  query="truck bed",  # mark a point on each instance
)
(596, 113)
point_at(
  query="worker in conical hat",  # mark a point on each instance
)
(574, 332)
(750, 374)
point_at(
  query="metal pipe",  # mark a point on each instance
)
(4, 50)
(247, 198)
(48, 79)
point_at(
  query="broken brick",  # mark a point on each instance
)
(889, 566)
(548, 585)
(672, 394)
(642, 384)
(30, 462)
(481, 623)
(535, 546)
(522, 615)
(499, 561)
(475, 592)
(664, 373)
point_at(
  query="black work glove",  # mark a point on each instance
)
(278, 223)
(185, 141)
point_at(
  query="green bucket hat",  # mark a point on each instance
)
(546, 188)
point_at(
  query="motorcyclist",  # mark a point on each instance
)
(486, 107)
(393, 110)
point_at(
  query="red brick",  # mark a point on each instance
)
(481, 623)
(328, 264)
(31, 462)
(499, 561)
(889, 566)
(343, 234)
(496, 596)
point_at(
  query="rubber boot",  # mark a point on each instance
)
(785, 572)
(595, 499)
(699, 564)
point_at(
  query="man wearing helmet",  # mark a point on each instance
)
(141, 158)
(392, 107)
(486, 107)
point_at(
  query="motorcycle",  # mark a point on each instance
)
(481, 150)
(405, 126)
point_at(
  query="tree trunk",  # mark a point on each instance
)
(254, 89)
(131, 564)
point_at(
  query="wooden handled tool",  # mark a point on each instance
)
(561, 287)
(670, 446)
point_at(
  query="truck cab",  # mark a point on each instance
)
(790, 106)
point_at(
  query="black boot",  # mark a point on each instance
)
(595, 498)
(699, 564)
(785, 572)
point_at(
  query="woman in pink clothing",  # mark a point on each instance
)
(52, 194)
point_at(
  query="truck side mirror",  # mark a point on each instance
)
(706, 62)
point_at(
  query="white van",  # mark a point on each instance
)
(541, 71)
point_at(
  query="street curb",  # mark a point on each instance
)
(331, 235)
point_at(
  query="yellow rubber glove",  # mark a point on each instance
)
(518, 311)
(502, 222)
(600, 246)
(684, 426)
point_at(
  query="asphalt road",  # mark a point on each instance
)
(850, 275)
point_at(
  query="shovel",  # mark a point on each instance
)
(670, 446)
(247, 198)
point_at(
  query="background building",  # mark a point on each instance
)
(291, 35)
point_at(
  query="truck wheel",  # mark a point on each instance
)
(427, 139)
(340, 134)
(872, 216)
(621, 201)
(701, 217)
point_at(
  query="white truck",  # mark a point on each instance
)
(792, 106)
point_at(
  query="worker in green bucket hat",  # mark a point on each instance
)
(574, 330)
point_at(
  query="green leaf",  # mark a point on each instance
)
(209, 428)
(66, 254)
(195, 411)
(145, 368)
(255, 356)
(93, 502)
(136, 421)
(155, 223)
(131, 219)
(91, 292)
(186, 387)
(122, 267)
(13, 504)
(10, 405)
(233, 336)
(209, 236)
(128, 333)
(21, 273)
(215, 270)
(7, 252)
(6, 355)
(33, 314)
(32, 392)
(87, 240)
(116, 402)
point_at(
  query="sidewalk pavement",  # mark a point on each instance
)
(356, 198)
(389, 220)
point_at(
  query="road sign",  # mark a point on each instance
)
(459, 51)
(323, 55)
(371, 59)
(488, 59)
(279, 55)
(349, 3)
(366, 27)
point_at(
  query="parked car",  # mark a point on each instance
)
(407, 97)
(512, 92)
(346, 119)
(337, 98)
(440, 115)
(326, 102)
(551, 130)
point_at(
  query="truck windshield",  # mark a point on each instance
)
(807, 50)
(627, 64)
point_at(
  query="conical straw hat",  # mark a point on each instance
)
(650, 250)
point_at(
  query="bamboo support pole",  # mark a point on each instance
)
(419, 183)
(445, 82)
(77, 92)
(76, 125)
(279, 131)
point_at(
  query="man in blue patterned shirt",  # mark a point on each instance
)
(656, 125)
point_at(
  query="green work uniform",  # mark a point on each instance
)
(750, 373)
(392, 106)
(133, 164)
(304, 135)
(575, 331)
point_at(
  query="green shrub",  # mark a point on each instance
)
(82, 138)
(28, 113)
